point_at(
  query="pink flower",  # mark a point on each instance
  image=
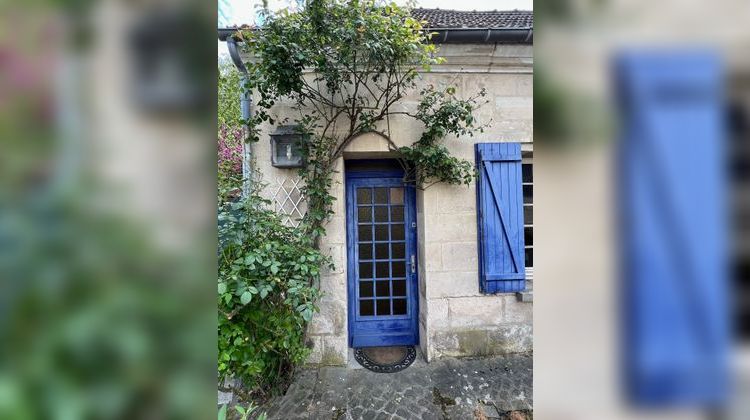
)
(230, 150)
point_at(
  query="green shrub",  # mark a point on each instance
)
(266, 295)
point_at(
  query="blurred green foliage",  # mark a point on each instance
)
(566, 117)
(96, 322)
(551, 120)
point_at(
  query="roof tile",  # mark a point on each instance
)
(439, 18)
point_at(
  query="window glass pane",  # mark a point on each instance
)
(381, 251)
(381, 270)
(397, 251)
(527, 172)
(397, 232)
(366, 308)
(528, 215)
(381, 195)
(384, 307)
(399, 287)
(383, 288)
(399, 269)
(528, 236)
(397, 214)
(365, 251)
(365, 233)
(364, 214)
(381, 214)
(529, 257)
(528, 197)
(287, 148)
(282, 147)
(364, 196)
(399, 306)
(397, 196)
(365, 289)
(381, 232)
(365, 270)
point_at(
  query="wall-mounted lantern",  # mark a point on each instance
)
(286, 147)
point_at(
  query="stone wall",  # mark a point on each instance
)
(455, 319)
(461, 321)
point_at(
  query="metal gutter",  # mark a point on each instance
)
(482, 36)
(455, 35)
(246, 105)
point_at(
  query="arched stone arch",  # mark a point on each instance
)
(372, 144)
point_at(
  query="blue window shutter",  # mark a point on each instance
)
(671, 202)
(500, 217)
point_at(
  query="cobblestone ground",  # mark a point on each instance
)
(487, 388)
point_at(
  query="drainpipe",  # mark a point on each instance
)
(246, 104)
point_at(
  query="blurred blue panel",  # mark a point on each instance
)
(673, 233)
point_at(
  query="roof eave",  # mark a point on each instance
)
(482, 35)
(453, 35)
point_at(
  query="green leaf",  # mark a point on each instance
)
(307, 314)
(223, 412)
(246, 298)
(222, 288)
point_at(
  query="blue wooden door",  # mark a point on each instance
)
(381, 254)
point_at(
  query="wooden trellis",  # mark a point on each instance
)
(288, 200)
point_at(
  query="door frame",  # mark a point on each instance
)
(354, 178)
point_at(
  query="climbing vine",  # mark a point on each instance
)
(344, 65)
(428, 160)
(342, 68)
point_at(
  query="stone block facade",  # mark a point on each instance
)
(455, 318)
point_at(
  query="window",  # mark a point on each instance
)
(528, 210)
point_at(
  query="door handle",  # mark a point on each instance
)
(413, 264)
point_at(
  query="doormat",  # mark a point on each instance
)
(385, 359)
